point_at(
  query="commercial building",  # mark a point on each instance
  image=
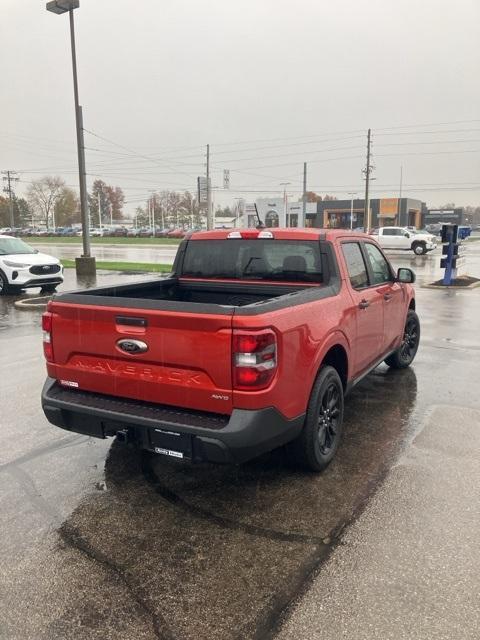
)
(385, 212)
(275, 212)
(335, 214)
(442, 216)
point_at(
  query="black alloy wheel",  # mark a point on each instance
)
(328, 416)
(318, 442)
(407, 351)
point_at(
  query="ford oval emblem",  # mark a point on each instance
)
(132, 346)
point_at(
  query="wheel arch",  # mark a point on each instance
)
(335, 352)
(337, 358)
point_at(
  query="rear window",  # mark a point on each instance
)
(257, 259)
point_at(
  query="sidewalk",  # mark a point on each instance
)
(409, 568)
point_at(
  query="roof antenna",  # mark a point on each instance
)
(260, 224)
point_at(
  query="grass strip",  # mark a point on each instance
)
(102, 241)
(147, 267)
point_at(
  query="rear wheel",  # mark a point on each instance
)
(405, 354)
(419, 248)
(316, 446)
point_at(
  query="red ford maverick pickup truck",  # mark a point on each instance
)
(251, 343)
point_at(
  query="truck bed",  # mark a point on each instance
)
(226, 294)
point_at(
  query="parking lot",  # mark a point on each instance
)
(102, 541)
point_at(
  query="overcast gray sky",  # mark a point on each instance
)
(268, 83)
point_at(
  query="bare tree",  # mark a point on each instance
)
(42, 195)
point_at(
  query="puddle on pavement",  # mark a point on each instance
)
(215, 552)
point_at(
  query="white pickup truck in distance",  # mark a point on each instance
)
(404, 239)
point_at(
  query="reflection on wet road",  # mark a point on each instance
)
(102, 541)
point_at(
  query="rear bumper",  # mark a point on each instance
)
(205, 436)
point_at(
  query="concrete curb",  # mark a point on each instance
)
(441, 287)
(33, 303)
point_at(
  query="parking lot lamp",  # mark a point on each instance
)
(351, 194)
(85, 265)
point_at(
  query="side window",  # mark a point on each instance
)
(380, 269)
(399, 232)
(388, 232)
(355, 264)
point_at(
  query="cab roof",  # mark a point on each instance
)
(278, 233)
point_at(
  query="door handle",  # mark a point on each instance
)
(387, 296)
(363, 304)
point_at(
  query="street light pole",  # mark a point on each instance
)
(85, 265)
(284, 185)
(351, 194)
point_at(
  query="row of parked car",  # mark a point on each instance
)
(140, 232)
(35, 231)
(96, 232)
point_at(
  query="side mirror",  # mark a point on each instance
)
(406, 275)
(406, 234)
(35, 251)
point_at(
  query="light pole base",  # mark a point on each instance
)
(85, 266)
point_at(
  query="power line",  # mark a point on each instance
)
(128, 149)
(428, 124)
(417, 133)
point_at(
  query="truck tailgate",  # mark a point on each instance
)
(187, 361)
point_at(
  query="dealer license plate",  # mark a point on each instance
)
(171, 443)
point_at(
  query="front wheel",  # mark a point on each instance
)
(404, 355)
(4, 286)
(316, 446)
(49, 288)
(419, 248)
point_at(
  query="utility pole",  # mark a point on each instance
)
(9, 177)
(368, 169)
(209, 192)
(304, 208)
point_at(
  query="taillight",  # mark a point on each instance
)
(254, 359)
(47, 336)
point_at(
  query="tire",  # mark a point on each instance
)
(318, 442)
(4, 286)
(404, 355)
(419, 248)
(49, 288)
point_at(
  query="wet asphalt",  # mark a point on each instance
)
(101, 541)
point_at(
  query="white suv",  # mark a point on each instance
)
(22, 267)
